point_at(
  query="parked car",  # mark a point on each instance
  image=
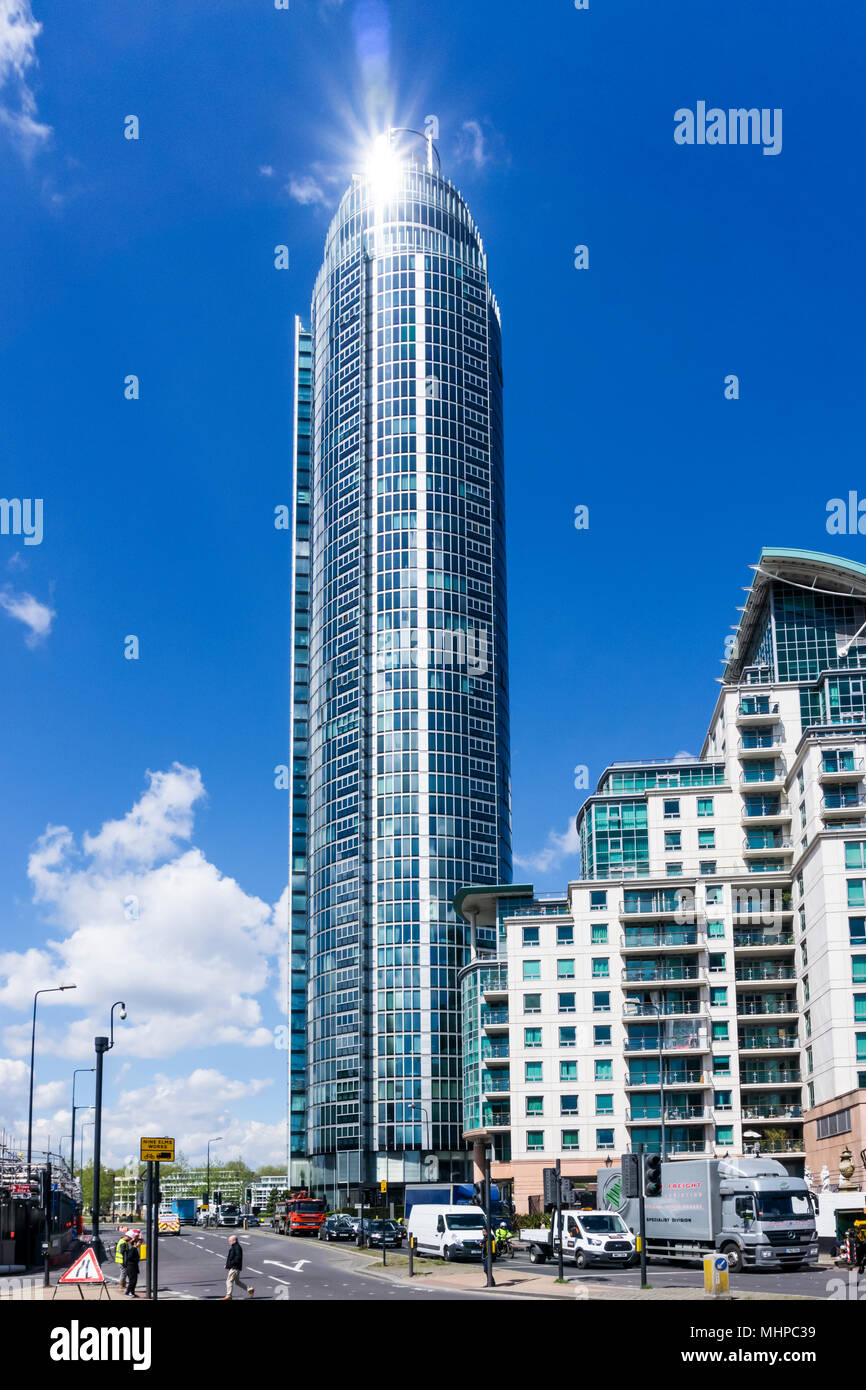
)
(337, 1228)
(391, 1231)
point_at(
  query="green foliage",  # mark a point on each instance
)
(537, 1222)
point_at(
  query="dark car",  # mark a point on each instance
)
(337, 1228)
(394, 1233)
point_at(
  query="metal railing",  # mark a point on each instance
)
(764, 708)
(765, 972)
(772, 1112)
(632, 974)
(500, 1049)
(762, 938)
(762, 1077)
(493, 1016)
(776, 808)
(770, 1005)
(666, 1008)
(833, 767)
(767, 842)
(839, 801)
(695, 1042)
(645, 936)
(754, 1041)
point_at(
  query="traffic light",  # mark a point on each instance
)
(569, 1193)
(249, 1196)
(652, 1175)
(550, 1194)
(630, 1175)
(217, 1197)
(45, 1189)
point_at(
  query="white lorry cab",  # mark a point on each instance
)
(454, 1233)
(589, 1238)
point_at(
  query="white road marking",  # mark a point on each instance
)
(293, 1269)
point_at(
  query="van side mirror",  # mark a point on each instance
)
(440, 1225)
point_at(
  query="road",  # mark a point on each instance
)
(192, 1266)
(813, 1281)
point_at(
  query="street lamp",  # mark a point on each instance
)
(209, 1142)
(416, 1105)
(84, 1124)
(102, 1046)
(55, 989)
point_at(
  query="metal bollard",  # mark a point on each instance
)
(411, 1256)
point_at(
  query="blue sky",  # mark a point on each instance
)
(155, 257)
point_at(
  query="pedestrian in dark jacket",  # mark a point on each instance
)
(131, 1261)
(234, 1265)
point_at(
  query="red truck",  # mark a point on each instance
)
(299, 1215)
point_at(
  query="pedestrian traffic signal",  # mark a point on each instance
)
(568, 1193)
(630, 1175)
(652, 1175)
(249, 1196)
(550, 1186)
(218, 1196)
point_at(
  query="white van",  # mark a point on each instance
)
(455, 1233)
(591, 1237)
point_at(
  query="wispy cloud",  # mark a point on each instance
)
(18, 34)
(37, 617)
(557, 849)
(306, 190)
(479, 144)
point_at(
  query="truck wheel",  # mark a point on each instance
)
(580, 1260)
(735, 1258)
(447, 1252)
(536, 1256)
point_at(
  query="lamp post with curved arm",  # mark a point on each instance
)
(102, 1046)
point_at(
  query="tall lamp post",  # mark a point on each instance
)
(209, 1142)
(78, 1071)
(102, 1046)
(84, 1124)
(416, 1105)
(55, 989)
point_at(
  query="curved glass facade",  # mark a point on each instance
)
(408, 765)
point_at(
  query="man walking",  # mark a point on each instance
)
(234, 1265)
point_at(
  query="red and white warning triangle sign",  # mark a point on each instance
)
(85, 1271)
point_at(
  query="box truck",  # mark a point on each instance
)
(453, 1194)
(749, 1209)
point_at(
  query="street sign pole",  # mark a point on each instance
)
(148, 1192)
(642, 1222)
(561, 1275)
(154, 1253)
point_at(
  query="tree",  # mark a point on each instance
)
(106, 1190)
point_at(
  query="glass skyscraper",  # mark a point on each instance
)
(400, 788)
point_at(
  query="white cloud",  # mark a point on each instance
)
(557, 849)
(266, 171)
(142, 918)
(18, 34)
(37, 617)
(306, 190)
(479, 144)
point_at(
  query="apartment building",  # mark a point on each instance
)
(701, 988)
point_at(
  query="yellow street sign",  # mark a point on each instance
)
(157, 1151)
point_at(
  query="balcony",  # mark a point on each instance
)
(767, 1004)
(755, 711)
(667, 904)
(668, 1008)
(768, 1042)
(784, 1146)
(839, 805)
(496, 1116)
(770, 1076)
(768, 971)
(494, 1020)
(759, 744)
(495, 1085)
(770, 810)
(672, 1079)
(692, 1041)
(764, 778)
(635, 973)
(689, 1146)
(651, 939)
(772, 1112)
(758, 845)
(495, 1054)
(756, 942)
(761, 903)
(688, 1114)
(838, 767)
